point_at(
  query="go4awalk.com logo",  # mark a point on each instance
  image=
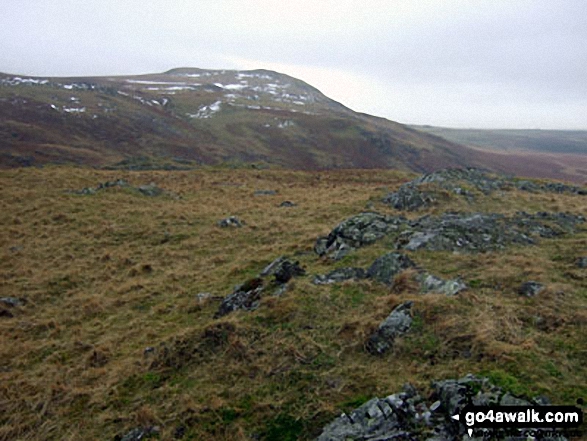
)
(519, 417)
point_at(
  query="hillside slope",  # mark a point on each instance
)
(199, 116)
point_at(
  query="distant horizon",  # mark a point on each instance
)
(450, 63)
(455, 127)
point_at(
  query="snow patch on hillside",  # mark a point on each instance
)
(205, 112)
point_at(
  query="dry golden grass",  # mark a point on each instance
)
(109, 275)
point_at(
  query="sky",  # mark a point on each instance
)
(453, 63)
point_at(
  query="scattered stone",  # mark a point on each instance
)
(201, 297)
(530, 289)
(340, 275)
(287, 204)
(582, 262)
(231, 221)
(12, 301)
(141, 433)
(265, 193)
(246, 296)
(431, 283)
(270, 269)
(150, 190)
(386, 267)
(395, 325)
(407, 415)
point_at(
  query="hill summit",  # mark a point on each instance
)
(187, 116)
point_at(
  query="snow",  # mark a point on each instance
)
(156, 82)
(15, 81)
(74, 109)
(235, 86)
(205, 112)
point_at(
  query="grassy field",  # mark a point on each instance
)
(109, 275)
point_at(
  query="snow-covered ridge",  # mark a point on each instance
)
(16, 81)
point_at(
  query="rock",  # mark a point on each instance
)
(386, 267)
(581, 262)
(408, 415)
(6, 313)
(340, 275)
(431, 283)
(530, 289)
(287, 204)
(141, 433)
(150, 190)
(358, 231)
(265, 193)
(459, 232)
(270, 269)
(246, 296)
(12, 301)
(286, 270)
(428, 189)
(231, 221)
(201, 297)
(395, 325)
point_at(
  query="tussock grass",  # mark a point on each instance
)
(108, 276)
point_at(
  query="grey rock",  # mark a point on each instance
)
(386, 267)
(340, 275)
(270, 269)
(150, 190)
(530, 289)
(431, 283)
(581, 262)
(409, 416)
(286, 270)
(265, 193)
(430, 188)
(396, 324)
(357, 231)
(287, 204)
(246, 296)
(510, 400)
(201, 297)
(231, 221)
(12, 301)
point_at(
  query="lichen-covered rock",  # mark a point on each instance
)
(340, 275)
(430, 188)
(286, 270)
(245, 296)
(431, 283)
(386, 267)
(396, 324)
(357, 231)
(530, 288)
(12, 301)
(150, 190)
(407, 415)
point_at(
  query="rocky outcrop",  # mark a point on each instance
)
(431, 188)
(408, 415)
(340, 275)
(357, 231)
(396, 324)
(246, 296)
(431, 283)
(150, 190)
(472, 232)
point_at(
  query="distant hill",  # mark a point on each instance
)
(544, 141)
(554, 154)
(187, 116)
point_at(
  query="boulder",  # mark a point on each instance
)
(340, 275)
(530, 288)
(246, 296)
(396, 324)
(231, 221)
(12, 301)
(581, 262)
(386, 267)
(431, 283)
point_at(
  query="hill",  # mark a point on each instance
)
(186, 117)
(554, 154)
(131, 307)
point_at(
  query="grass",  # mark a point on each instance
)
(109, 275)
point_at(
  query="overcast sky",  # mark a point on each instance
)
(455, 63)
